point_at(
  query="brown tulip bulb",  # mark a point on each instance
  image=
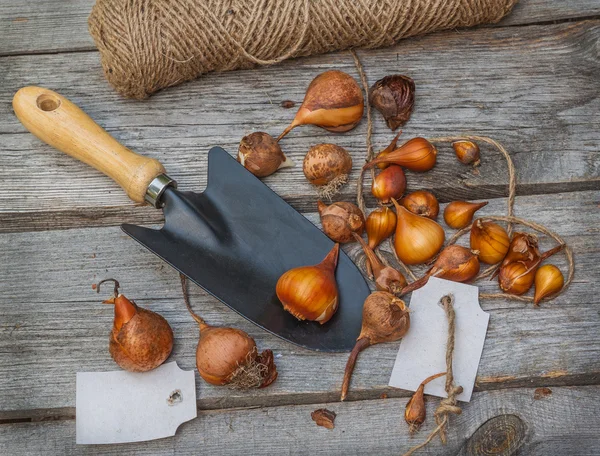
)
(385, 319)
(418, 155)
(548, 280)
(456, 263)
(260, 154)
(422, 203)
(417, 238)
(490, 240)
(458, 214)
(467, 152)
(389, 183)
(310, 292)
(394, 97)
(380, 225)
(415, 411)
(333, 101)
(386, 278)
(327, 166)
(340, 220)
(523, 247)
(140, 340)
(229, 356)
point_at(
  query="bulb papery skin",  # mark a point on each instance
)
(325, 162)
(417, 238)
(417, 154)
(394, 97)
(333, 101)
(380, 225)
(220, 353)
(422, 203)
(458, 214)
(260, 154)
(385, 318)
(142, 343)
(523, 247)
(310, 292)
(490, 240)
(467, 152)
(548, 280)
(389, 183)
(340, 220)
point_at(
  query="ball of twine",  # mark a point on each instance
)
(147, 45)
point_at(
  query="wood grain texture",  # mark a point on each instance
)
(41, 26)
(533, 88)
(503, 423)
(53, 324)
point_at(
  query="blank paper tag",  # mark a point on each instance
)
(423, 350)
(119, 407)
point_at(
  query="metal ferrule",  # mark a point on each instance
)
(157, 187)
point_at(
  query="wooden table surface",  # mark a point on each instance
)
(531, 82)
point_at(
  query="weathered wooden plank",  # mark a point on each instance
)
(503, 423)
(495, 82)
(53, 325)
(40, 26)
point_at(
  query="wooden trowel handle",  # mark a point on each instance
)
(61, 124)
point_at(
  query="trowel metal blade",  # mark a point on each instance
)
(237, 238)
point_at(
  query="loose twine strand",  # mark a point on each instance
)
(147, 45)
(447, 405)
(510, 219)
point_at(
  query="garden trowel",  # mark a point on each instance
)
(235, 239)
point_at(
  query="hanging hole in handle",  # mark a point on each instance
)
(47, 102)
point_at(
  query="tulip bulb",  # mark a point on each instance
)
(327, 166)
(380, 225)
(385, 319)
(229, 356)
(310, 292)
(491, 240)
(340, 220)
(467, 152)
(389, 183)
(386, 277)
(333, 101)
(418, 154)
(422, 203)
(455, 263)
(417, 238)
(458, 214)
(394, 97)
(140, 340)
(548, 280)
(260, 154)
(523, 247)
(415, 411)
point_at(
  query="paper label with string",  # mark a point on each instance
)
(121, 406)
(423, 350)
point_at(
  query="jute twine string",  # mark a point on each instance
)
(147, 45)
(447, 405)
(510, 219)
